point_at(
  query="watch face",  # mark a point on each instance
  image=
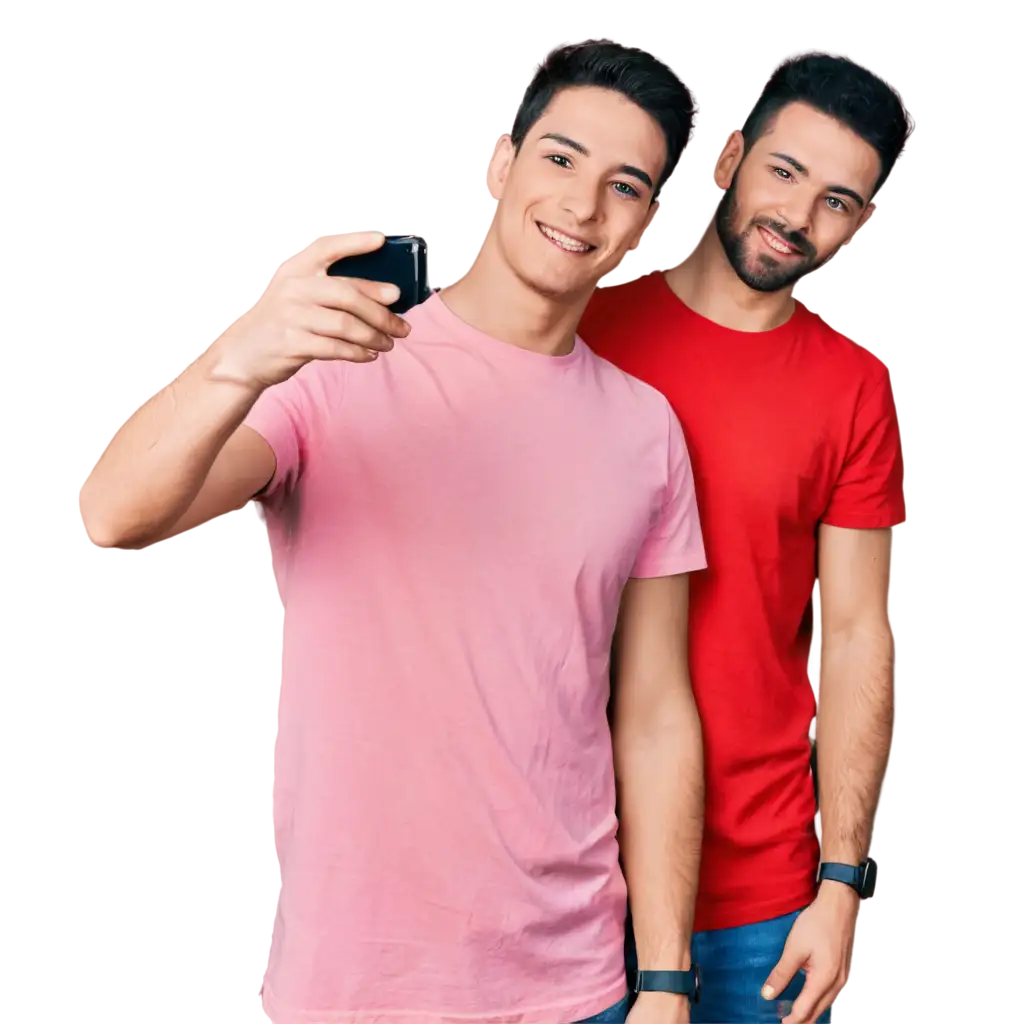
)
(695, 998)
(867, 882)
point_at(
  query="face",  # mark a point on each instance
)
(799, 194)
(579, 193)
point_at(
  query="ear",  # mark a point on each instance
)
(729, 161)
(500, 165)
(864, 218)
(647, 220)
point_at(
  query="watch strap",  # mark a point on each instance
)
(680, 983)
(860, 877)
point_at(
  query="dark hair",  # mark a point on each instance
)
(842, 90)
(634, 73)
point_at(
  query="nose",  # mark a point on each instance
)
(798, 209)
(582, 200)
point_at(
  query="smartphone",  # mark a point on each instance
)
(401, 260)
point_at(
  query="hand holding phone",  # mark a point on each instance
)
(306, 313)
(401, 261)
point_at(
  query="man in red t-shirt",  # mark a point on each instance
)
(796, 453)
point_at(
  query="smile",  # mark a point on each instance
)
(774, 242)
(565, 242)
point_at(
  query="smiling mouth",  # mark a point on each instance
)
(774, 242)
(565, 242)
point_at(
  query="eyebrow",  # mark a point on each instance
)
(840, 190)
(633, 172)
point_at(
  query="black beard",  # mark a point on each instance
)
(768, 275)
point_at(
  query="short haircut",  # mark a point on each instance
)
(632, 72)
(843, 90)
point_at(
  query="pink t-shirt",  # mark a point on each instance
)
(451, 530)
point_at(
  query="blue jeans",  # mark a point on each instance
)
(734, 965)
(613, 1015)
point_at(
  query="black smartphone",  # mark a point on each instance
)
(401, 260)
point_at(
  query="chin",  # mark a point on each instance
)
(556, 285)
(763, 274)
(555, 290)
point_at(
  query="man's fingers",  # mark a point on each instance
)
(336, 323)
(320, 347)
(350, 296)
(380, 291)
(783, 973)
(324, 251)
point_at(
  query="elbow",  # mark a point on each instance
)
(674, 725)
(101, 527)
(98, 529)
(108, 539)
(862, 635)
(692, 734)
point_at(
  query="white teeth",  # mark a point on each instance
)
(777, 245)
(565, 241)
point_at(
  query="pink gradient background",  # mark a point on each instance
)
(154, 164)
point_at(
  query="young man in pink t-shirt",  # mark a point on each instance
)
(463, 506)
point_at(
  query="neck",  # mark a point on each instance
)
(494, 300)
(706, 282)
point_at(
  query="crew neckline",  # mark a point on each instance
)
(454, 326)
(800, 312)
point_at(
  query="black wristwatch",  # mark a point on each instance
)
(860, 877)
(680, 983)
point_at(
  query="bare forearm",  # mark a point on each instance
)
(661, 804)
(854, 734)
(157, 462)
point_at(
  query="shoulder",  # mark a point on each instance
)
(313, 388)
(841, 354)
(421, 318)
(613, 298)
(617, 294)
(616, 303)
(627, 395)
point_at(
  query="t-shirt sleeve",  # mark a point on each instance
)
(674, 543)
(868, 492)
(282, 417)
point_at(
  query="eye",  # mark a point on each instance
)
(835, 203)
(559, 159)
(781, 172)
(625, 190)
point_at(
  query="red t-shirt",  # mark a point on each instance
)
(786, 429)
